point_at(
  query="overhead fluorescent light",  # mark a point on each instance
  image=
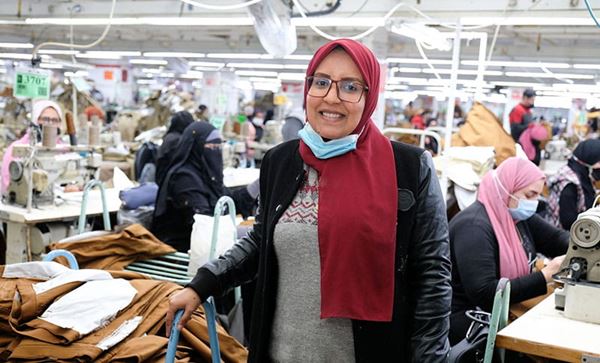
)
(58, 51)
(16, 56)
(16, 45)
(122, 53)
(255, 65)
(469, 72)
(409, 70)
(295, 66)
(206, 64)
(239, 55)
(174, 54)
(329, 21)
(292, 76)
(548, 75)
(208, 69)
(417, 61)
(160, 21)
(158, 62)
(516, 64)
(586, 66)
(152, 70)
(167, 75)
(256, 73)
(2, 70)
(520, 84)
(97, 56)
(528, 20)
(51, 65)
(299, 57)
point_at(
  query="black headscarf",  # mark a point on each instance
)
(588, 152)
(179, 122)
(196, 168)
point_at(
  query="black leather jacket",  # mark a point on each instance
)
(419, 328)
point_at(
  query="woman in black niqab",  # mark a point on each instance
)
(179, 122)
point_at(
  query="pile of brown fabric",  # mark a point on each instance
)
(27, 334)
(482, 128)
(114, 251)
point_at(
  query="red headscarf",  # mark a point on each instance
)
(513, 174)
(357, 209)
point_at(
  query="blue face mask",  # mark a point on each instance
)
(524, 210)
(327, 149)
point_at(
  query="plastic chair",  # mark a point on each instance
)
(64, 253)
(209, 305)
(89, 186)
(481, 337)
(499, 318)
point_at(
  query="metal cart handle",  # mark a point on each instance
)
(64, 253)
(89, 186)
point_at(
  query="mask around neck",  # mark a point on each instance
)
(327, 149)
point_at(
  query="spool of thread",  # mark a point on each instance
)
(49, 133)
(94, 138)
(71, 128)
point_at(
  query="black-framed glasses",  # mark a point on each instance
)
(49, 120)
(348, 90)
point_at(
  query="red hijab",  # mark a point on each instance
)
(357, 209)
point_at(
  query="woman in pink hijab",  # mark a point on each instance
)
(499, 236)
(530, 140)
(43, 112)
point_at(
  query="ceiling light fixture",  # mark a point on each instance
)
(174, 54)
(239, 55)
(516, 64)
(255, 65)
(158, 62)
(206, 64)
(417, 61)
(16, 45)
(256, 73)
(546, 75)
(160, 21)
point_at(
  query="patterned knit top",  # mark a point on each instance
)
(299, 334)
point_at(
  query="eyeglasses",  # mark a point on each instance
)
(348, 90)
(49, 120)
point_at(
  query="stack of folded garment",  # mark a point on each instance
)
(49, 312)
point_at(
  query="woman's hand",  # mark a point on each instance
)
(552, 267)
(186, 299)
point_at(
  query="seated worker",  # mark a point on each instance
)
(499, 236)
(178, 123)
(43, 113)
(571, 188)
(193, 183)
(531, 138)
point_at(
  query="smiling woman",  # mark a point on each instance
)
(350, 249)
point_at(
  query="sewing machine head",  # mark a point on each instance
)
(582, 261)
(580, 270)
(48, 167)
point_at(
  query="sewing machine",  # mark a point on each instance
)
(580, 270)
(39, 169)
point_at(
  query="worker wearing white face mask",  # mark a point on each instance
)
(499, 236)
(571, 188)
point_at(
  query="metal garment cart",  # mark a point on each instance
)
(162, 269)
